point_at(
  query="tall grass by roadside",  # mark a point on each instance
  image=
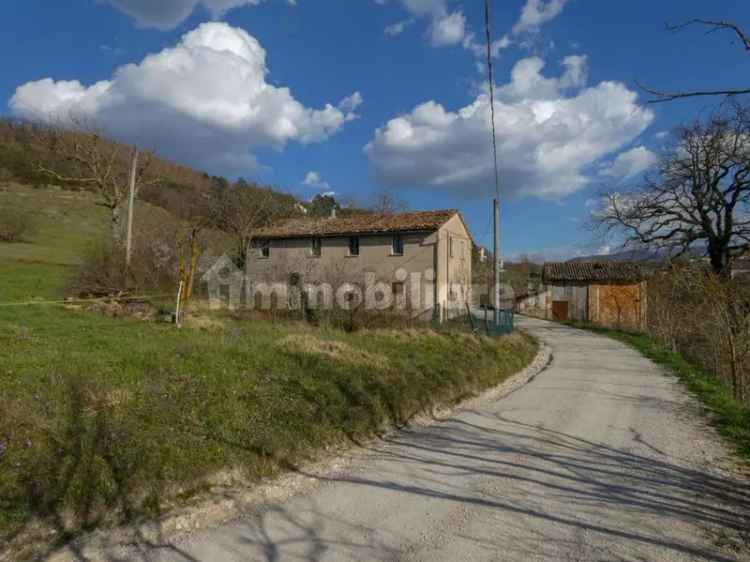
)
(107, 420)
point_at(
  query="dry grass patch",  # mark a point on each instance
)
(203, 322)
(341, 351)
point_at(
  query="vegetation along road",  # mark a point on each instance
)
(600, 457)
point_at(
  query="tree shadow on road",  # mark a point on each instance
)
(544, 493)
(536, 473)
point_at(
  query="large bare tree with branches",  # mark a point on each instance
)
(699, 199)
(711, 26)
(87, 158)
(242, 209)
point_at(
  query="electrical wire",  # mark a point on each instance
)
(488, 31)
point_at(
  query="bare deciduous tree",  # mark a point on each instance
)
(698, 200)
(385, 203)
(713, 26)
(96, 162)
(242, 210)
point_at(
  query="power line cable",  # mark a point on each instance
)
(488, 31)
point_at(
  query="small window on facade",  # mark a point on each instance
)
(397, 245)
(450, 246)
(265, 250)
(398, 289)
(316, 247)
(354, 245)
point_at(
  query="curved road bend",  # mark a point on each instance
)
(600, 457)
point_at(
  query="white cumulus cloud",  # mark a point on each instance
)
(445, 27)
(315, 180)
(449, 29)
(168, 14)
(535, 13)
(351, 103)
(205, 101)
(551, 134)
(630, 163)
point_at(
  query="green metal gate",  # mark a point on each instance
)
(484, 322)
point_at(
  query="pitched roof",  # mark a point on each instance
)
(613, 272)
(359, 224)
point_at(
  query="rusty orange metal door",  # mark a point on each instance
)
(559, 310)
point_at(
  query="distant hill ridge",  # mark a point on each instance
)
(644, 256)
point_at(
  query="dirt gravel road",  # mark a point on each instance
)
(599, 457)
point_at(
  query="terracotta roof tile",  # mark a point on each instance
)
(359, 224)
(615, 272)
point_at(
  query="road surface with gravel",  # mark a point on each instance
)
(599, 457)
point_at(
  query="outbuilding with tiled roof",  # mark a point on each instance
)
(611, 294)
(593, 272)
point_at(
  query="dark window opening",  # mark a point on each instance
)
(354, 245)
(397, 245)
(265, 250)
(316, 247)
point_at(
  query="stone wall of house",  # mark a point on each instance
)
(621, 306)
(569, 302)
(537, 305)
(454, 267)
(293, 259)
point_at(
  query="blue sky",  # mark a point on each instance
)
(382, 94)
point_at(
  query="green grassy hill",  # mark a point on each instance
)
(67, 222)
(68, 225)
(105, 420)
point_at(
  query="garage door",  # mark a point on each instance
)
(559, 310)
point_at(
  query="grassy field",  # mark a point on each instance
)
(104, 420)
(730, 417)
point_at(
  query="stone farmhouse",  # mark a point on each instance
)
(418, 262)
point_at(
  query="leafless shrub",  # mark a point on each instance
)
(103, 271)
(705, 317)
(154, 265)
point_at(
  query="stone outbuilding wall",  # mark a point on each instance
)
(607, 294)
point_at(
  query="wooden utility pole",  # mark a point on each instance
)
(131, 203)
(497, 270)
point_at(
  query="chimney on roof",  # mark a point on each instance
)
(333, 213)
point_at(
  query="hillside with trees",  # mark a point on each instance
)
(199, 212)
